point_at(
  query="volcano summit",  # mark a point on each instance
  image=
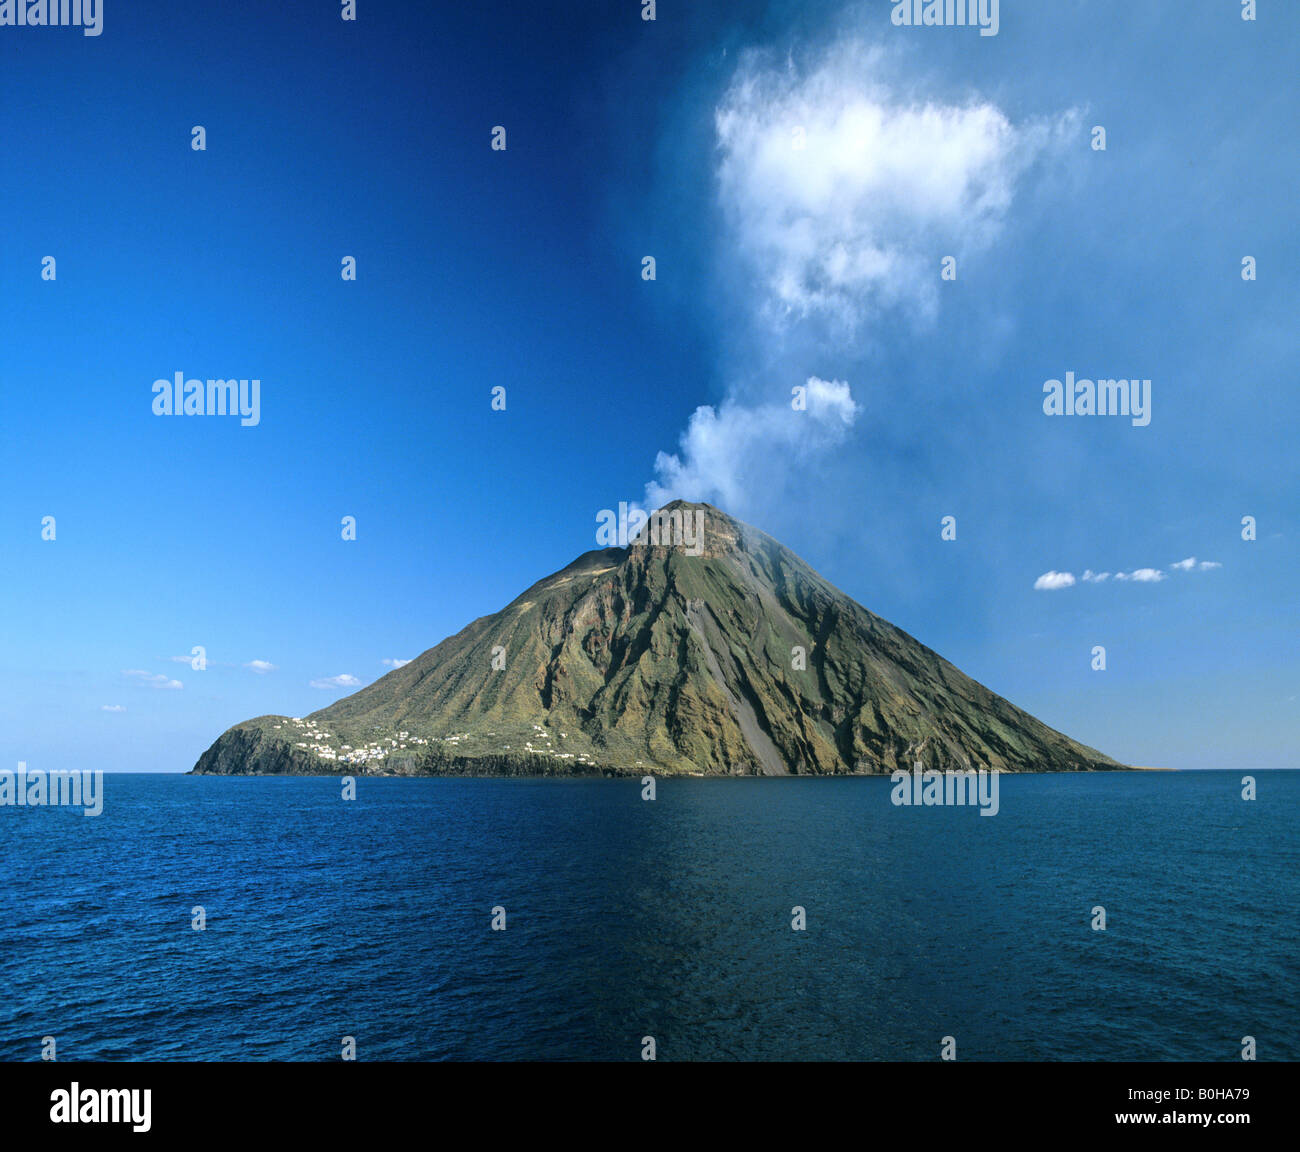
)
(737, 660)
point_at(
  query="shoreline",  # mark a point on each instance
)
(627, 775)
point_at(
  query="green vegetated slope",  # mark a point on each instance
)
(648, 659)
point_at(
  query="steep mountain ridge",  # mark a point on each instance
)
(722, 654)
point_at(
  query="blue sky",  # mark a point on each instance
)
(523, 269)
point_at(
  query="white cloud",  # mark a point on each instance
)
(729, 453)
(1151, 575)
(343, 680)
(1190, 563)
(1051, 581)
(1142, 575)
(261, 667)
(855, 221)
(111, 708)
(832, 234)
(396, 663)
(151, 680)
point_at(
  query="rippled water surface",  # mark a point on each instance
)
(672, 919)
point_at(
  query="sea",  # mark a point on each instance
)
(1107, 916)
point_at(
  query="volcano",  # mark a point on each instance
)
(726, 655)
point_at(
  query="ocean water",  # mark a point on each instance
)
(671, 918)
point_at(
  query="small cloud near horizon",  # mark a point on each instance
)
(150, 680)
(1050, 581)
(1142, 575)
(343, 680)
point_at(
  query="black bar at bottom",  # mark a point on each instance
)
(637, 1102)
